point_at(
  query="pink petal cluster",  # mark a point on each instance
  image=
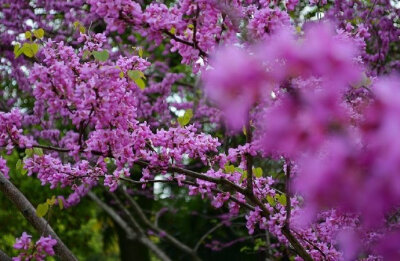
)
(38, 251)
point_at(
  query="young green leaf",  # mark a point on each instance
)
(29, 152)
(140, 51)
(39, 33)
(135, 74)
(26, 49)
(28, 35)
(281, 199)
(86, 54)
(271, 201)
(35, 48)
(258, 172)
(38, 151)
(60, 203)
(16, 49)
(82, 29)
(101, 56)
(18, 165)
(76, 24)
(185, 119)
(140, 83)
(51, 201)
(42, 209)
(229, 168)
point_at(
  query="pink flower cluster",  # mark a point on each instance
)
(30, 251)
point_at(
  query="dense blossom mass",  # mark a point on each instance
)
(311, 86)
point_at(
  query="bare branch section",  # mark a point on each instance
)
(125, 226)
(139, 212)
(29, 212)
(4, 256)
(142, 237)
(130, 234)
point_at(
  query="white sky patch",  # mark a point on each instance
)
(160, 190)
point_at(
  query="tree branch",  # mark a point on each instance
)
(222, 181)
(4, 256)
(130, 234)
(286, 227)
(249, 160)
(142, 235)
(29, 212)
(196, 248)
(139, 212)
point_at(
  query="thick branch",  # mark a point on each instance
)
(4, 256)
(28, 211)
(296, 244)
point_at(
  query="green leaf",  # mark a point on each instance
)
(42, 209)
(271, 201)
(185, 119)
(140, 51)
(136, 74)
(140, 83)
(76, 24)
(259, 243)
(39, 33)
(18, 165)
(244, 175)
(155, 239)
(245, 249)
(258, 172)
(28, 35)
(18, 52)
(38, 151)
(16, 49)
(26, 49)
(281, 199)
(172, 30)
(229, 168)
(60, 203)
(35, 48)
(121, 74)
(51, 201)
(239, 170)
(29, 49)
(29, 152)
(101, 55)
(86, 54)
